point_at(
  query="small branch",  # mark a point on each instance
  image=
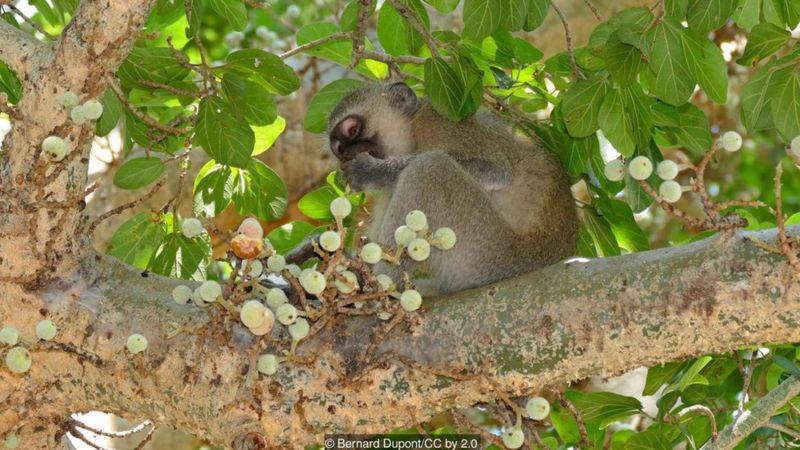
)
(585, 442)
(784, 429)
(114, 84)
(315, 43)
(594, 10)
(756, 417)
(30, 22)
(568, 34)
(17, 48)
(389, 59)
(172, 89)
(129, 205)
(358, 34)
(704, 410)
(784, 242)
(669, 208)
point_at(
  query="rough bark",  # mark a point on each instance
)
(539, 330)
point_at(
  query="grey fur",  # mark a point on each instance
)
(507, 198)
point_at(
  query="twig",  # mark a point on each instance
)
(704, 410)
(315, 43)
(123, 207)
(114, 84)
(568, 35)
(358, 34)
(784, 242)
(166, 87)
(30, 22)
(784, 429)
(585, 442)
(389, 59)
(668, 207)
(757, 416)
(594, 10)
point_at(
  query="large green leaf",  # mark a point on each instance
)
(693, 131)
(339, 50)
(604, 407)
(707, 66)
(112, 110)
(248, 100)
(213, 189)
(444, 88)
(673, 82)
(226, 139)
(537, 12)
(136, 240)
(600, 230)
(138, 172)
(267, 135)
(265, 68)
(484, 17)
(764, 40)
(259, 191)
(395, 34)
(9, 83)
(747, 13)
(157, 64)
(615, 124)
(321, 105)
(785, 92)
(624, 61)
(581, 104)
(756, 98)
(287, 236)
(708, 15)
(233, 11)
(444, 6)
(627, 232)
(316, 204)
(660, 375)
(181, 257)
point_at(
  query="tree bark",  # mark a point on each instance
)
(540, 330)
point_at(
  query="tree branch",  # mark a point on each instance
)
(17, 47)
(533, 332)
(757, 416)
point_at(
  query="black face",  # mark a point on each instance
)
(348, 140)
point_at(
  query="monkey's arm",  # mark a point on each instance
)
(365, 172)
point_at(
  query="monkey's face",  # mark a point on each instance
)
(375, 120)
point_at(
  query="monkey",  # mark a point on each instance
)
(507, 198)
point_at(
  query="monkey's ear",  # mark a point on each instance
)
(401, 96)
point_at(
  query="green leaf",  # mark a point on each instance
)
(600, 230)
(707, 66)
(673, 82)
(517, 15)
(321, 105)
(138, 172)
(268, 69)
(395, 34)
(581, 106)
(157, 64)
(316, 204)
(181, 257)
(444, 6)
(693, 132)
(603, 407)
(692, 375)
(785, 92)
(665, 115)
(470, 76)
(786, 364)
(747, 13)
(537, 12)
(627, 232)
(339, 50)
(654, 438)
(259, 191)
(267, 135)
(9, 83)
(676, 9)
(708, 15)
(624, 61)
(288, 236)
(136, 240)
(756, 98)
(764, 40)
(233, 11)
(615, 124)
(638, 114)
(484, 17)
(248, 100)
(444, 89)
(112, 110)
(227, 140)
(660, 375)
(213, 189)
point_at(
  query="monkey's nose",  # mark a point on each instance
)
(350, 127)
(336, 147)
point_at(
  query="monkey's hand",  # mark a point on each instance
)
(365, 172)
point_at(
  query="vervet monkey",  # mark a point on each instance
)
(507, 198)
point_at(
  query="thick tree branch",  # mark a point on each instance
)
(17, 48)
(540, 330)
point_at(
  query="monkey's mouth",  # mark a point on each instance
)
(345, 151)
